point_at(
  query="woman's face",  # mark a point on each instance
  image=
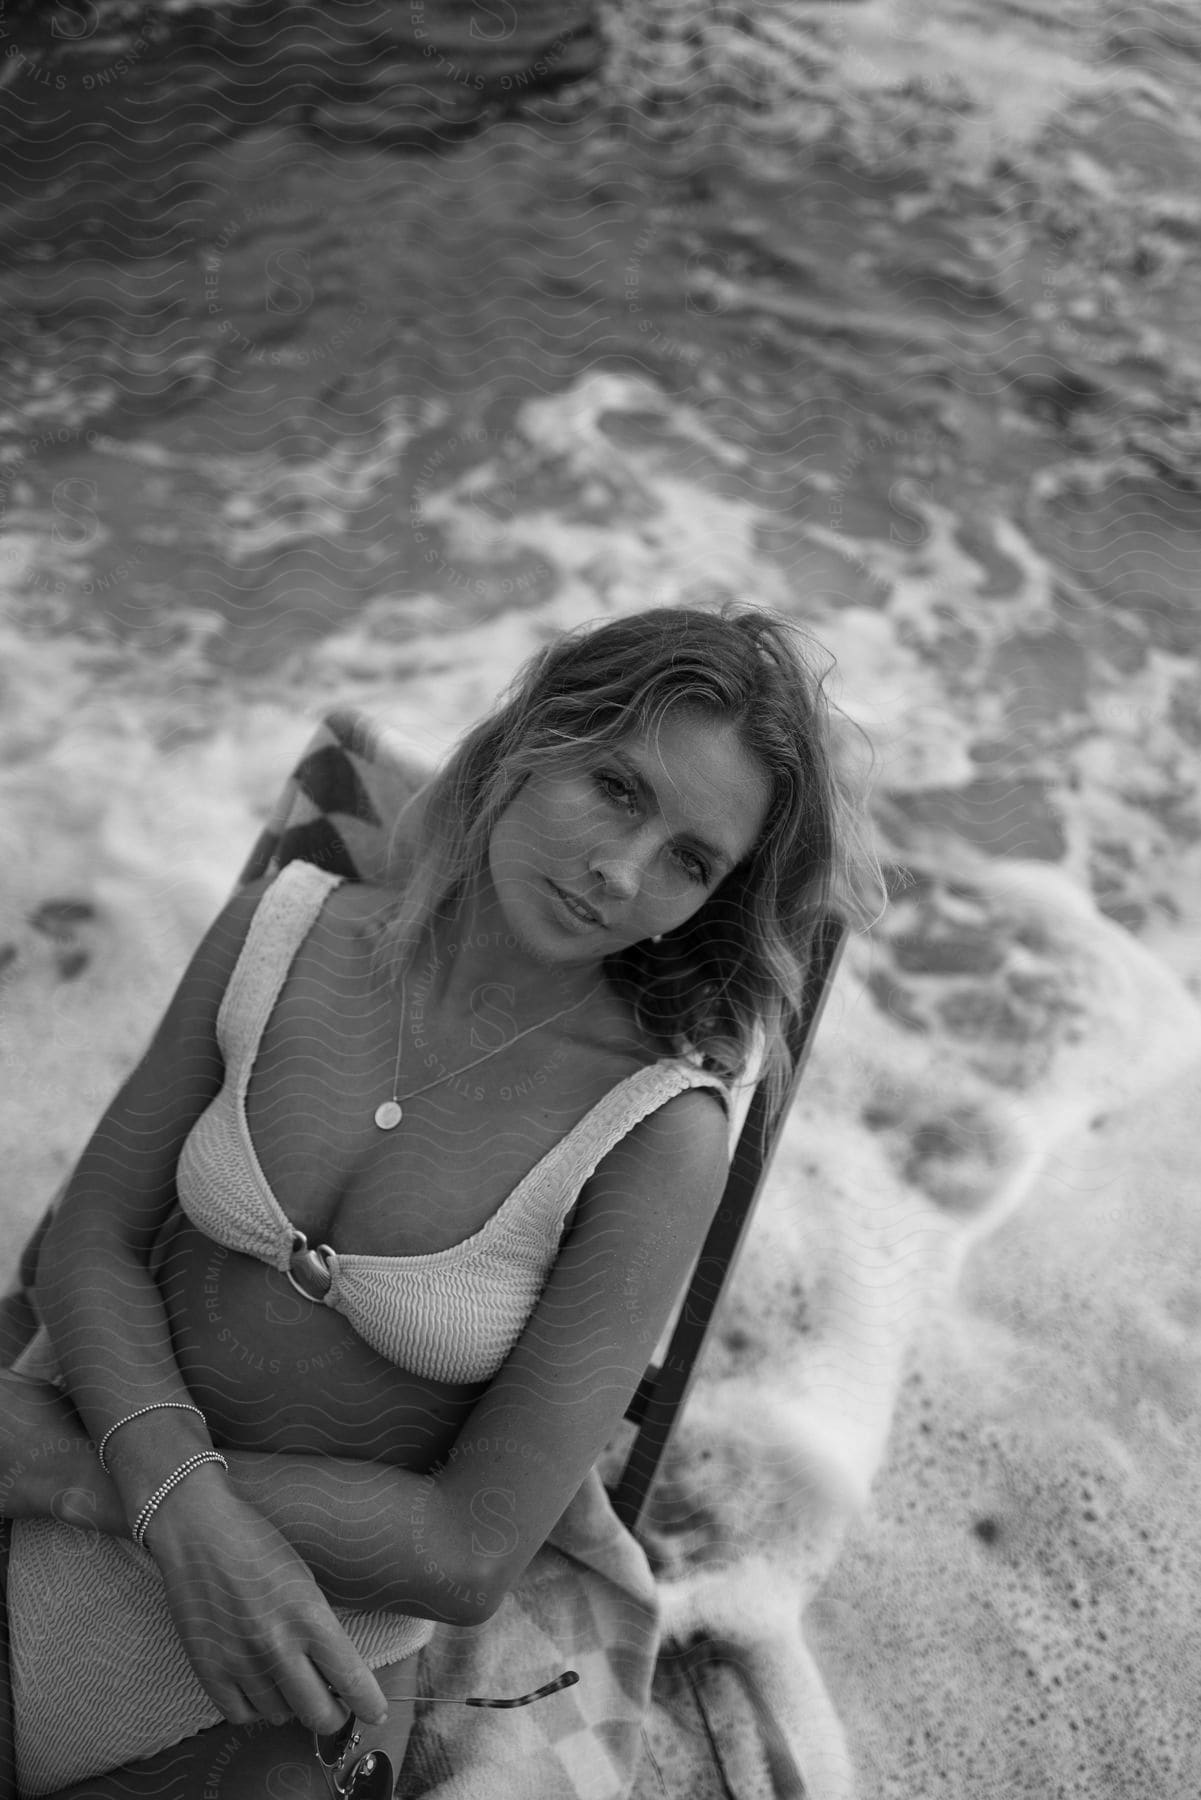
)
(629, 844)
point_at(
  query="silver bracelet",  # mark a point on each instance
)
(173, 1480)
(155, 1406)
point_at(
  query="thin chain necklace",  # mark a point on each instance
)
(391, 1112)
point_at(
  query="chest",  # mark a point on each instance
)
(475, 1118)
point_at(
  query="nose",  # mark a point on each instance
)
(625, 860)
(617, 873)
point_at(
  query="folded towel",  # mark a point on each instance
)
(587, 1602)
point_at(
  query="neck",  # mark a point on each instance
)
(477, 947)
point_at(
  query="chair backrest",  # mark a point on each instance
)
(338, 810)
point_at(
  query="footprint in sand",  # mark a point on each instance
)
(61, 920)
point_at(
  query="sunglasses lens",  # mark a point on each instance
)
(353, 1775)
(371, 1778)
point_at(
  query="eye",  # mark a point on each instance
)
(695, 869)
(620, 792)
(616, 788)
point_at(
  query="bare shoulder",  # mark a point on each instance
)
(691, 1124)
(216, 957)
(217, 953)
(677, 1156)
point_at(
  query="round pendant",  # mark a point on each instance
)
(388, 1116)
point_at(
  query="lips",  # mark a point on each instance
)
(581, 907)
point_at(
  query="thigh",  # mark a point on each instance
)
(252, 1762)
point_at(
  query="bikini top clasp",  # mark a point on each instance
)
(310, 1269)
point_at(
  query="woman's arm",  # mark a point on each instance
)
(533, 1436)
(373, 1535)
(256, 1627)
(94, 1291)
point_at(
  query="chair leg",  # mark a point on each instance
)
(786, 1779)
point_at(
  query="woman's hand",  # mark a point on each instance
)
(257, 1629)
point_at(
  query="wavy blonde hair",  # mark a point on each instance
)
(728, 982)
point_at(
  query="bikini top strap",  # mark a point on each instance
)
(284, 915)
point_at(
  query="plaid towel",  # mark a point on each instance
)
(587, 1602)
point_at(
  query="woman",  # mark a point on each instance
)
(358, 1273)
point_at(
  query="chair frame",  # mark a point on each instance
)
(663, 1391)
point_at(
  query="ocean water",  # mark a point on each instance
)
(881, 317)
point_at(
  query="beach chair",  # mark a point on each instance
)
(337, 810)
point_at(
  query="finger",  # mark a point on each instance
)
(249, 1704)
(287, 1687)
(269, 1704)
(315, 1704)
(298, 1690)
(226, 1695)
(344, 1671)
(233, 1705)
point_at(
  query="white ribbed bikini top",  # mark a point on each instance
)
(448, 1315)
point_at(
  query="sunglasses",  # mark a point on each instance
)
(371, 1776)
(348, 1775)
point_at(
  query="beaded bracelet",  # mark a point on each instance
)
(155, 1406)
(173, 1480)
